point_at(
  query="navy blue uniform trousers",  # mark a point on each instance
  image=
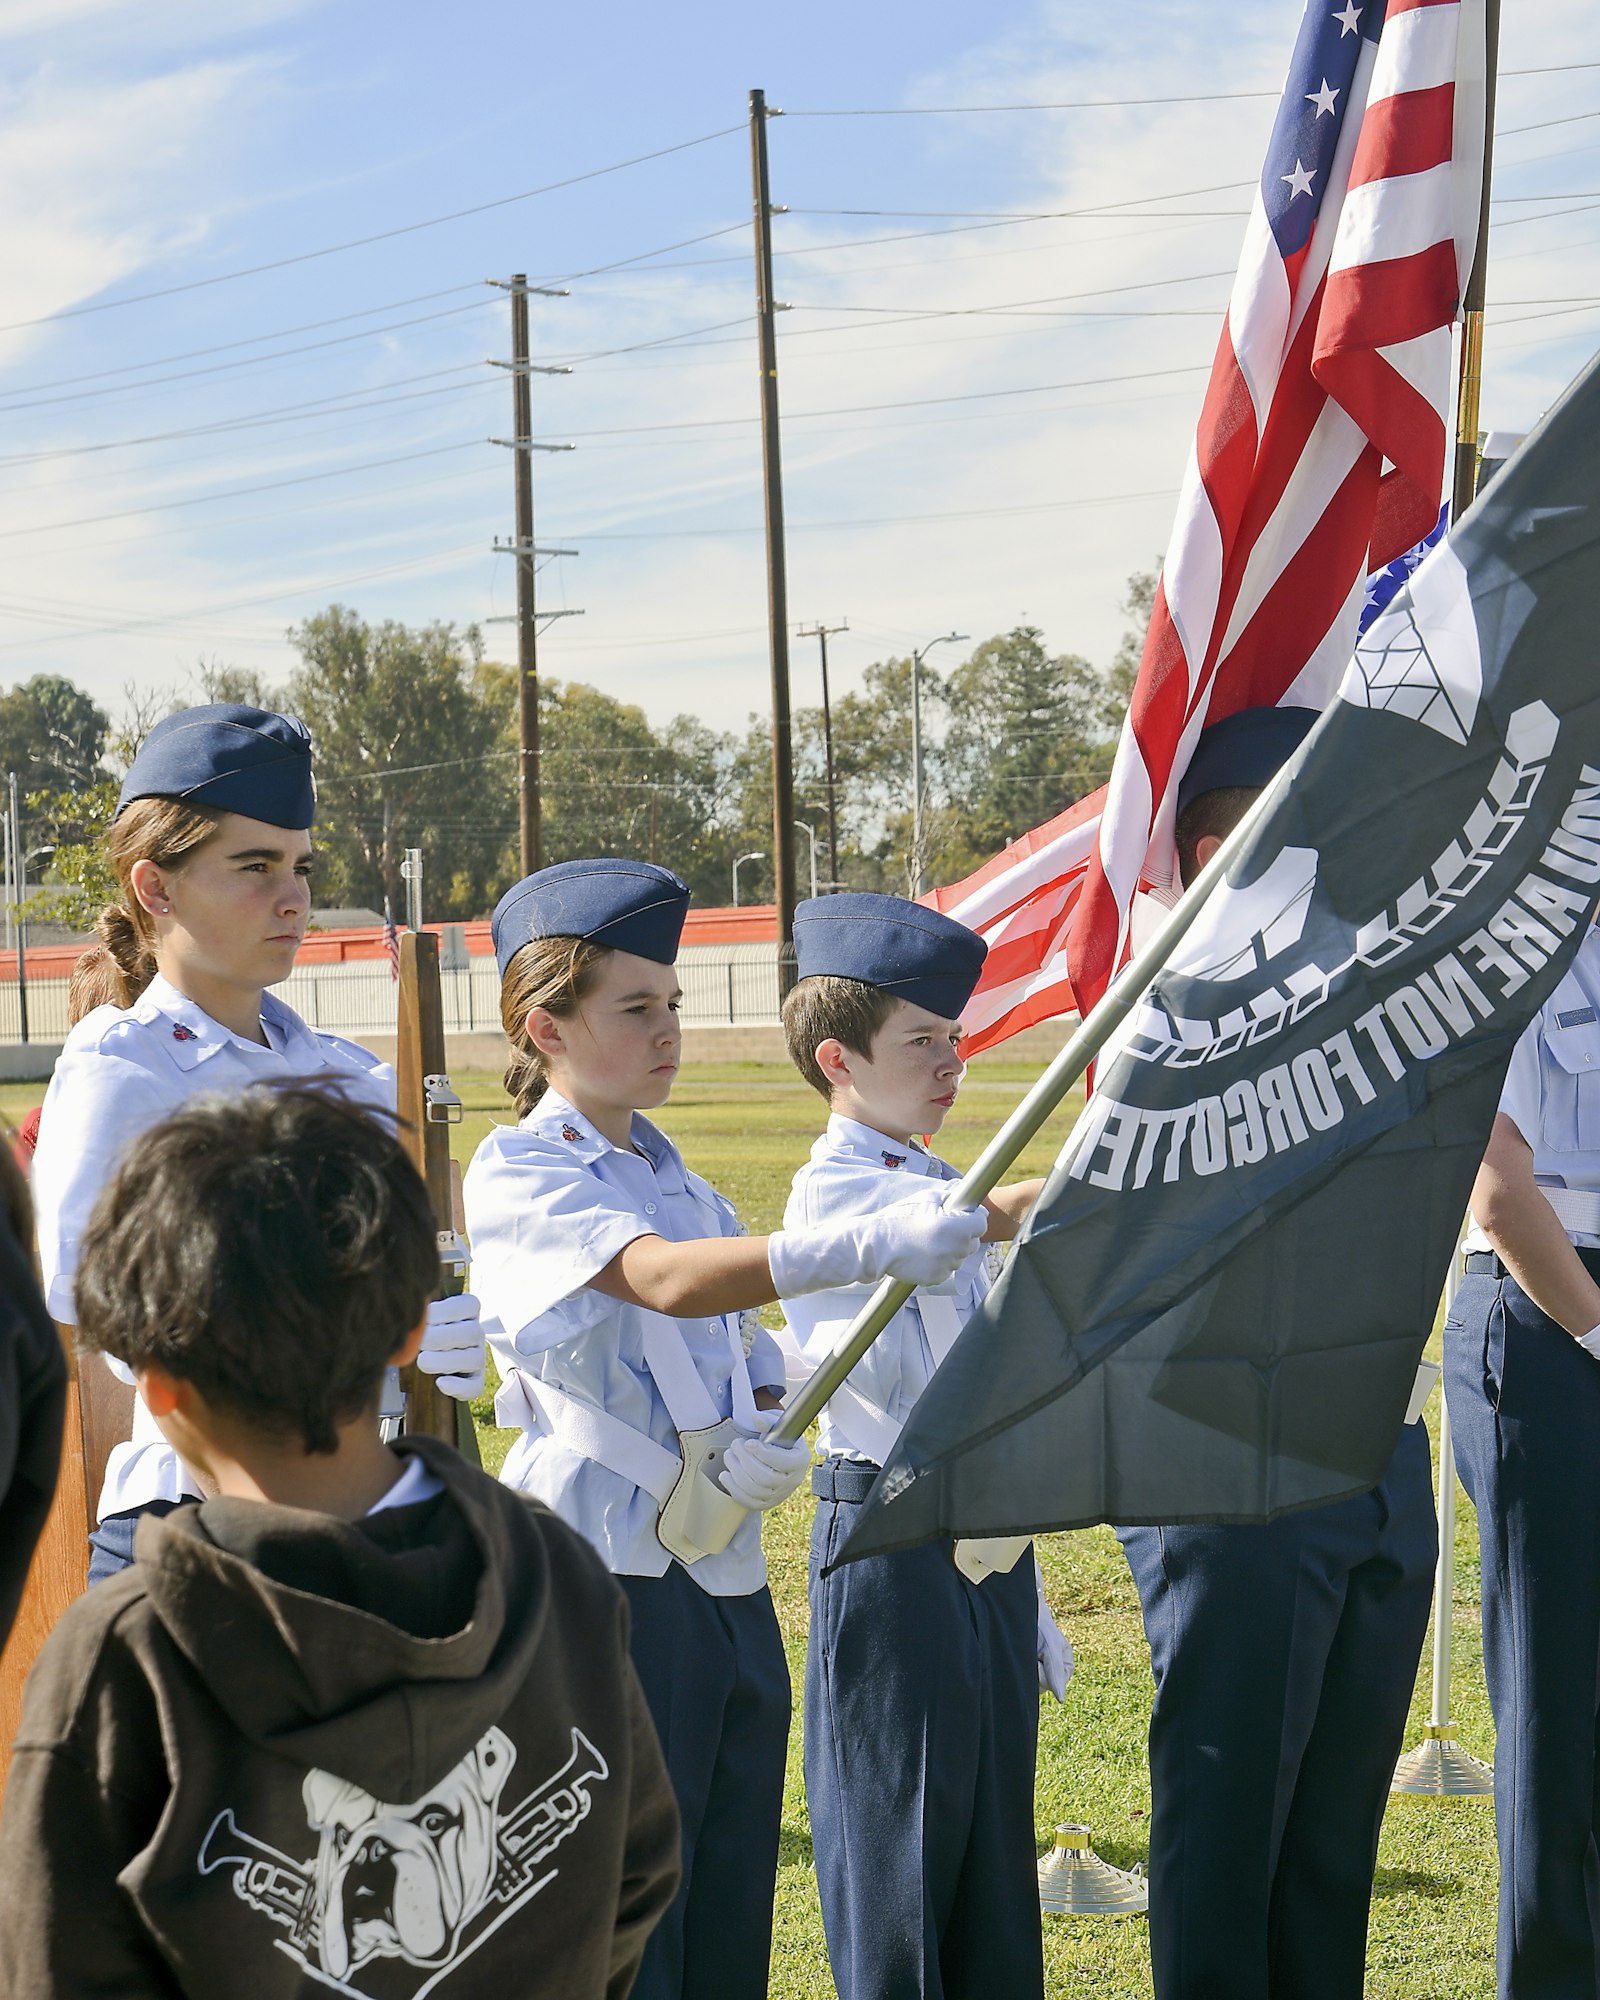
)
(921, 1729)
(717, 1685)
(1284, 1656)
(111, 1540)
(1525, 1406)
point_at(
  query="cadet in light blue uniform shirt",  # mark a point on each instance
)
(212, 850)
(922, 1685)
(1522, 1372)
(624, 1289)
(568, 1350)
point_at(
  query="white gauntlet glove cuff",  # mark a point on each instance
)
(1590, 1341)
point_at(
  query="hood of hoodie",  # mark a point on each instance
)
(378, 1650)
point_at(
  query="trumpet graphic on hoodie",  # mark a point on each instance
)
(407, 1882)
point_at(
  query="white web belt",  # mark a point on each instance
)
(1577, 1209)
(530, 1404)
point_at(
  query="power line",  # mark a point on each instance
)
(907, 403)
(234, 492)
(1063, 104)
(249, 340)
(643, 256)
(199, 612)
(245, 361)
(663, 340)
(341, 404)
(1097, 103)
(874, 520)
(378, 236)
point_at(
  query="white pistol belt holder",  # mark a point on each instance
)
(683, 1483)
(873, 1431)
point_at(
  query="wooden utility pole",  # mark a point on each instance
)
(821, 633)
(522, 445)
(777, 582)
(528, 803)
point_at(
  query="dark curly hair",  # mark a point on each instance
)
(273, 1248)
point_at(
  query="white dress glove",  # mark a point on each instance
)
(761, 1473)
(1055, 1648)
(919, 1241)
(453, 1346)
(1590, 1342)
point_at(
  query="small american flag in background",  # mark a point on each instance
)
(391, 939)
(1320, 456)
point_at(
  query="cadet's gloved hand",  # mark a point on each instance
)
(453, 1346)
(1590, 1341)
(919, 1240)
(759, 1472)
(1055, 1648)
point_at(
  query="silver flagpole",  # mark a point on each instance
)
(1439, 1765)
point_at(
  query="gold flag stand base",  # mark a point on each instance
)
(1075, 1882)
(1441, 1767)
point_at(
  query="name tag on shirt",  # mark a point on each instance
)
(1577, 1017)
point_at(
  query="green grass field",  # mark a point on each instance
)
(746, 1127)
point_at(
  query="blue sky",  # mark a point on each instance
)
(183, 476)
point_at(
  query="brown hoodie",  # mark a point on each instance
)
(285, 1754)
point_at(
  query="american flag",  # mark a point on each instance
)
(1383, 584)
(1320, 456)
(391, 939)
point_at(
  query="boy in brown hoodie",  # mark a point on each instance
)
(363, 1721)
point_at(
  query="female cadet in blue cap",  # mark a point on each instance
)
(623, 1285)
(213, 853)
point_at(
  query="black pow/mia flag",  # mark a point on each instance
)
(1216, 1309)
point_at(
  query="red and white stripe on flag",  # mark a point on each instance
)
(1321, 447)
(1021, 903)
(1319, 456)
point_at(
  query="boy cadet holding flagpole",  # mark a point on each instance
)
(922, 1667)
(1284, 1654)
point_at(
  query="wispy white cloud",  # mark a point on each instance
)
(117, 173)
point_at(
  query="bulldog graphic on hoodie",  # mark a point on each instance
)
(285, 1755)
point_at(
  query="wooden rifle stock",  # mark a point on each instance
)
(428, 1107)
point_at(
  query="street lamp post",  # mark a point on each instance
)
(810, 833)
(738, 864)
(917, 658)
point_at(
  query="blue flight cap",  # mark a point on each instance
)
(913, 952)
(630, 905)
(230, 757)
(1247, 748)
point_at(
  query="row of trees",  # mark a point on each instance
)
(415, 734)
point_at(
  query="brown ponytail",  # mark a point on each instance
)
(119, 968)
(554, 973)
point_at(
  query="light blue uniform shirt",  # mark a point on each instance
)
(1552, 1096)
(119, 1073)
(549, 1203)
(854, 1170)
